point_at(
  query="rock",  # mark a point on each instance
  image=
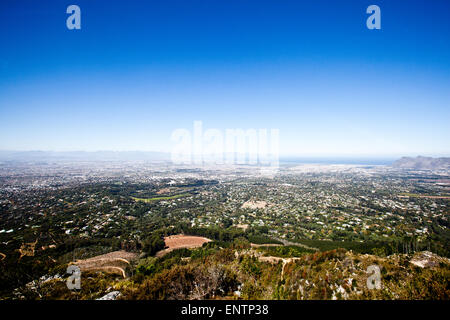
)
(426, 259)
(110, 296)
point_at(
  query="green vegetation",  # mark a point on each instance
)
(153, 244)
(418, 195)
(262, 239)
(285, 251)
(147, 200)
(359, 247)
(352, 224)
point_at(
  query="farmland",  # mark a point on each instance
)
(113, 262)
(180, 241)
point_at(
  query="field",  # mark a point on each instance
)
(113, 262)
(181, 241)
(254, 205)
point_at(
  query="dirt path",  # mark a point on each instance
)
(113, 262)
(273, 260)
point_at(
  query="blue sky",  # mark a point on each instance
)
(137, 70)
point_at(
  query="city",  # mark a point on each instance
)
(54, 214)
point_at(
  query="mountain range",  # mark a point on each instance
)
(422, 163)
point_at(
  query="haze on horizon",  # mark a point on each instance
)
(135, 73)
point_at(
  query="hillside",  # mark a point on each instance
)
(422, 163)
(241, 272)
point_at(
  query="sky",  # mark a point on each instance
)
(138, 70)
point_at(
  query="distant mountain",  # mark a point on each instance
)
(422, 163)
(82, 156)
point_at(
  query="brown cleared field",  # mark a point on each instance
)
(254, 204)
(163, 191)
(112, 262)
(180, 241)
(27, 249)
(242, 226)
